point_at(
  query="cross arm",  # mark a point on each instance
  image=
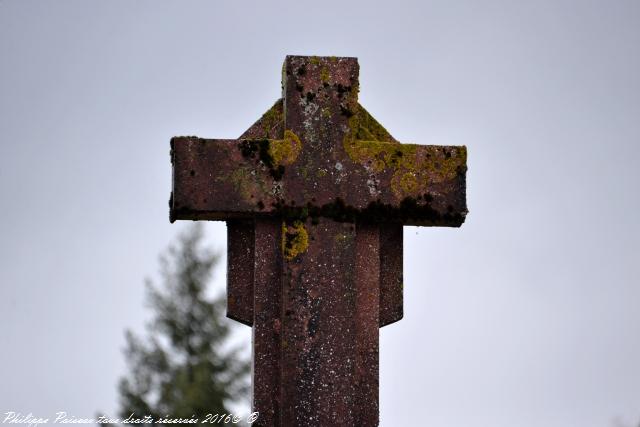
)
(408, 183)
(220, 179)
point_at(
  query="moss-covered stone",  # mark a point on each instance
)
(285, 151)
(271, 119)
(413, 169)
(324, 74)
(275, 154)
(241, 179)
(295, 239)
(368, 128)
(409, 183)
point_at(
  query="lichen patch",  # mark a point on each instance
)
(413, 169)
(295, 239)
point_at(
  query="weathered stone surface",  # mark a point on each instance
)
(330, 327)
(315, 194)
(267, 326)
(311, 162)
(240, 270)
(391, 285)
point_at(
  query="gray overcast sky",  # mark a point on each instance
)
(526, 316)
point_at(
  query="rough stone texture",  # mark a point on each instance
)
(391, 302)
(267, 327)
(328, 172)
(329, 312)
(315, 194)
(240, 270)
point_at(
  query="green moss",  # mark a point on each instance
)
(380, 155)
(413, 169)
(408, 183)
(324, 74)
(285, 151)
(314, 60)
(295, 239)
(241, 179)
(272, 118)
(368, 128)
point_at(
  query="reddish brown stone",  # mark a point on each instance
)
(391, 301)
(240, 270)
(267, 329)
(316, 193)
(333, 174)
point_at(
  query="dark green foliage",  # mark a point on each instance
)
(184, 367)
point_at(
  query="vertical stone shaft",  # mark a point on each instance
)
(317, 287)
(367, 319)
(315, 326)
(267, 312)
(330, 328)
(316, 343)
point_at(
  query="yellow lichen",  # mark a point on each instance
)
(295, 239)
(272, 118)
(413, 167)
(368, 129)
(324, 74)
(285, 151)
(408, 183)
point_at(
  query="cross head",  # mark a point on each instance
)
(315, 195)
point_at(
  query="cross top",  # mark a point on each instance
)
(318, 152)
(315, 194)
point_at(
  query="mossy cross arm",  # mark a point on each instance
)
(221, 179)
(326, 157)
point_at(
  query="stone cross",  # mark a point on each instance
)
(315, 195)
